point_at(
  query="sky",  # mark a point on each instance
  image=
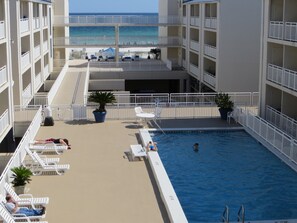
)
(107, 6)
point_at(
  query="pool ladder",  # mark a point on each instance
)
(240, 214)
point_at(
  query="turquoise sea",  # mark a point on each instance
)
(149, 32)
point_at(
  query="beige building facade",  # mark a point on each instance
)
(220, 43)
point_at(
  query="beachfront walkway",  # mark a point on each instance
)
(101, 185)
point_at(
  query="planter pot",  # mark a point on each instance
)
(99, 116)
(224, 112)
(19, 190)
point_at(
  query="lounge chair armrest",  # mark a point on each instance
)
(25, 195)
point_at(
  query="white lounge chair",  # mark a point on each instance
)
(26, 199)
(48, 147)
(7, 217)
(137, 151)
(32, 161)
(60, 169)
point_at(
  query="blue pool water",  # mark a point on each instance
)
(231, 168)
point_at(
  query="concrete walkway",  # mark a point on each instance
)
(102, 185)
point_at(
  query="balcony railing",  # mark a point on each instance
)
(282, 76)
(276, 29)
(120, 19)
(210, 51)
(194, 69)
(2, 30)
(44, 21)
(209, 79)
(38, 81)
(37, 52)
(282, 121)
(24, 23)
(4, 121)
(45, 46)
(184, 42)
(45, 71)
(194, 45)
(25, 59)
(3, 75)
(184, 20)
(195, 21)
(291, 31)
(184, 63)
(127, 41)
(36, 23)
(210, 22)
(27, 94)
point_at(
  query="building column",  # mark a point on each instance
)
(117, 38)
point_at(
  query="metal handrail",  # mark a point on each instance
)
(225, 215)
(241, 214)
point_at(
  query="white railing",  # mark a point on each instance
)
(20, 152)
(194, 45)
(184, 20)
(210, 22)
(194, 69)
(57, 84)
(3, 76)
(44, 21)
(27, 95)
(37, 52)
(282, 121)
(25, 59)
(209, 79)
(120, 19)
(2, 30)
(45, 46)
(38, 81)
(36, 23)
(45, 72)
(291, 31)
(195, 21)
(276, 29)
(24, 24)
(282, 76)
(280, 141)
(86, 87)
(210, 50)
(4, 121)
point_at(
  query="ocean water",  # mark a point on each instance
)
(132, 33)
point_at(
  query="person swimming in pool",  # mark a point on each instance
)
(196, 147)
(151, 146)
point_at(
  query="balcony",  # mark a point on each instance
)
(44, 21)
(38, 81)
(3, 76)
(2, 30)
(4, 122)
(36, 52)
(24, 24)
(210, 22)
(291, 31)
(45, 46)
(25, 60)
(36, 23)
(194, 69)
(194, 45)
(209, 79)
(210, 51)
(195, 21)
(282, 76)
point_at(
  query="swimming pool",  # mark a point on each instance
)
(231, 168)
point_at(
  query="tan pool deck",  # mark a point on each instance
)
(102, 185)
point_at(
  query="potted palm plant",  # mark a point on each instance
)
(224, 103)
(21, 176)
(102, 98)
